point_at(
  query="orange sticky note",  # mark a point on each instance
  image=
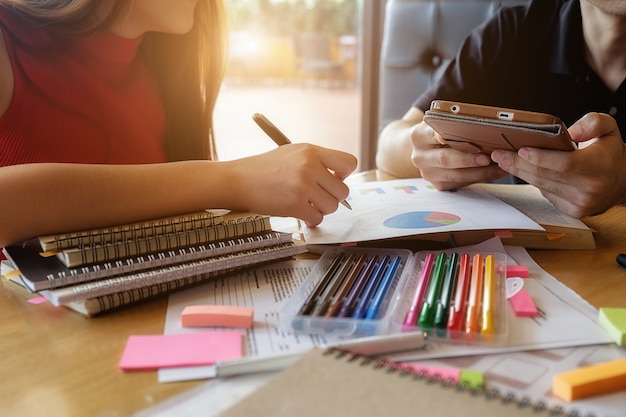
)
(217, 315)
(590, 380)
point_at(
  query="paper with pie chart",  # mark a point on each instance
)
(399, 208)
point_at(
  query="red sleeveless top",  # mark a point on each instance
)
(91, 100)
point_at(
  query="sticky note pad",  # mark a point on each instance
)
(472, 379)
(613, 320)
(217, 315)
(144, 352)
(520, 271)
(523, 304)
(590, 380)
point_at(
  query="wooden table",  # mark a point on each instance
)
(55, 362)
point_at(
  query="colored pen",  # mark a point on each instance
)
(456, 314)
(443, 303)
(278, 137)
(352, 298)
(368, 346)
(313, 298)
(377, 301)
(330, 291)
(427, 312)
(346, 285)
(410, 319)
(487, 325)
(370, 289)
(475, 296)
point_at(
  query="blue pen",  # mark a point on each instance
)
(370, 288)
(385, 284)
(427, 313)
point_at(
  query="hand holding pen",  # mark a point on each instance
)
(278, 137)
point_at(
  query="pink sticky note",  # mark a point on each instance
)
(37, 300)
(144, 352)
(523, 304)
(520, 271)
(444, 374)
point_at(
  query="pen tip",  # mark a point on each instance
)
(346, 205)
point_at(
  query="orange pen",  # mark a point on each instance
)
(489, 297)
(472, 321)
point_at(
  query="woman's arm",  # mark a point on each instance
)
(299, 180)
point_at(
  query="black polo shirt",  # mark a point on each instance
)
(529, 58)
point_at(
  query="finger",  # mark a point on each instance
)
(341, 164)
(422, 134)
(593, 125)
(311, 216)
(535, 162)
(452, 159)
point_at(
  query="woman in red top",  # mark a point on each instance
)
(106, 118)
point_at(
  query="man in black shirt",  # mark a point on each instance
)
(563, 57)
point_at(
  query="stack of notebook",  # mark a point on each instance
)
(98, 270)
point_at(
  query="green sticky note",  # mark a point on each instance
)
(472, 379)
(613, 320)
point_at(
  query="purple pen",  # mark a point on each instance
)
(352, 298)
(410, 319)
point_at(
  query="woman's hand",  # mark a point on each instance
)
(298, 180)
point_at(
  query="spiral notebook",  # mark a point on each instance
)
(336, 383)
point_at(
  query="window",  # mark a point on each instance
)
(299, 62)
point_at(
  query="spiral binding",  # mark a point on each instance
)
(539, 407)
(140, 230)
(124, 248)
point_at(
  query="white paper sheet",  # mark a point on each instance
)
(387, 209)
(566, 319)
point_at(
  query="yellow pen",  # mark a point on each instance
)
(487, 326)
(472, 322)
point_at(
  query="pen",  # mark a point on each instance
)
(278, 137)
(361, 308)
(475, 295)
(377, 301)
(328, 294)
(339, 297)
(457, 308)
(309, 303)
(369, 346)
(427, 311)
(443, 304)
(489, 296)
(352, 298)
(410, 319)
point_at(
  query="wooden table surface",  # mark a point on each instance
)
(56, 362)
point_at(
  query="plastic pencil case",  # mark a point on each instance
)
(344, 272)
(460, 297)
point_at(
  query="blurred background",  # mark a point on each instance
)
(300, 63)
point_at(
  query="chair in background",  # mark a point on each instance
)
(316, 61)
(420, 37)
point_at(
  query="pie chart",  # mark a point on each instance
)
(421, 220)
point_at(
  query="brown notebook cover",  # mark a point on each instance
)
(334, 383)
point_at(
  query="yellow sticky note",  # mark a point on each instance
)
(613, 320)
(591, 380)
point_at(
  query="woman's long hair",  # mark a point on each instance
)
(189, 68)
